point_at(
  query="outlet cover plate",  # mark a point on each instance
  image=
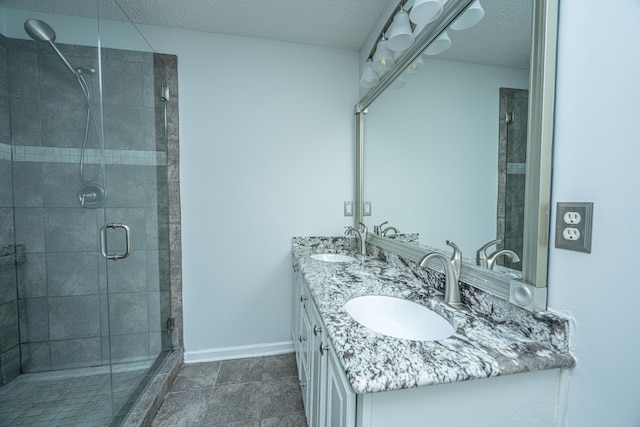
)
(582, 243)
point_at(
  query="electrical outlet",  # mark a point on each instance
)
(573, 226)
(571, 233)
(366, 209)
(348, 208)
(572, 218)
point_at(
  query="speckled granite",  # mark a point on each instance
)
(491, 338)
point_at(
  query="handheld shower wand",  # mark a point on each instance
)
(39, 30)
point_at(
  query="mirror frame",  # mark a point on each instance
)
(533, 284)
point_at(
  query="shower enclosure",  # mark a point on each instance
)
(89, 224)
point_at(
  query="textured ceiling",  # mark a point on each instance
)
(331, 23)
(501, 38)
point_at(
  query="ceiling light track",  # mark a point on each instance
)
(409, 29)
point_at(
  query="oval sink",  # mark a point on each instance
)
(333, 258)
(399, 318)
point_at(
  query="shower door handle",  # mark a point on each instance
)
(103, 241)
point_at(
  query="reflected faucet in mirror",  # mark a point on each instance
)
(451, 273)
(378, 230)
(488, 261)
(361, 235)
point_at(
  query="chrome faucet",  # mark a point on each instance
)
(386, 230)
(488, 261)
(362, 236)
(379, 231)
(451, 273)
(509, 253)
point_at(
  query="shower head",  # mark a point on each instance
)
(40, 30)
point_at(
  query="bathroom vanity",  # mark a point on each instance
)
(502, 365)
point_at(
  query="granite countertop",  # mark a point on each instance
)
(481, 347)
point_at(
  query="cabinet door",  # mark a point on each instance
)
(340, 400)
(297, 301)
(318, 368)
(305, 362)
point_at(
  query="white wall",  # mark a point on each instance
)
(596, 153)
(266, 138)
(421, 153)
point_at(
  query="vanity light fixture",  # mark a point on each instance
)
(383, 58)
(400, 34)
(415, 65)
(469, 17)
(369, 78)
(425, 11)
(439, 45)
(398, 83)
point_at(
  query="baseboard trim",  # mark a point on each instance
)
(240, 352)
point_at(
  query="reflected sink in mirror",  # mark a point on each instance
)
(333, 258)
(399, 318)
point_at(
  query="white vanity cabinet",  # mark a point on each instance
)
(327, 395)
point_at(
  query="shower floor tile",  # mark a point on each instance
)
(74, 397)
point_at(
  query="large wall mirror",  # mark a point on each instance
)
(455, 144)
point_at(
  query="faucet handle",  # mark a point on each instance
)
(456, 257)
(364, 229)
(486, 246)
(377, 229)
(481, 254)
(457, 254)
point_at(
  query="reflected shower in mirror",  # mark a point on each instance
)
(445, 152)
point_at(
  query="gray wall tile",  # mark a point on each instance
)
(63, 123)
(72, 273)
(61, 185)
(122, 82)
(123, 127)
(56, 80)
(75, 353)
(7, 236)
(36, 357)
(123, 184)
(25, 122)
(128, 313)
(48, 215)
(30, 229)
(9, 365)
(129, 347)
(27, 180)
(6, 189)
(8, 285)
(136, 219)
(72, 229)
(23, 71)
(32, 276)
(9, 325)
(34, 320)
(129, 274)
(74, 317)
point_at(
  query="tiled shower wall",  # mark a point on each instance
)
(75, 308)
(9, 338)
(512, 172)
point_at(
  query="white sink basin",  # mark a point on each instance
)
(333, 257)
(399, 318)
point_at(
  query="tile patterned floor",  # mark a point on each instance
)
(74, 397)
(253, 392)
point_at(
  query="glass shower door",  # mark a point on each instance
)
(135, 234)
(83, 154)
